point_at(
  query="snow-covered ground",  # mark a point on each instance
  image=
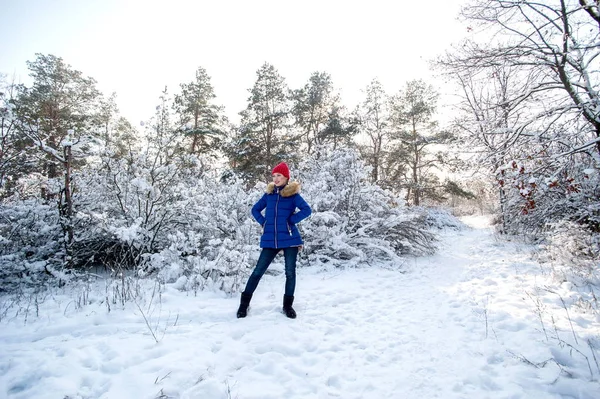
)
(471, 322)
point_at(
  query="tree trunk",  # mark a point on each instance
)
(67, 211)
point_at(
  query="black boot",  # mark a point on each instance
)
(244, 303)
(288, 300)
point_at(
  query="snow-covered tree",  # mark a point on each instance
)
(12, 161)
(61, 106)
(58, 117)
(540, 126)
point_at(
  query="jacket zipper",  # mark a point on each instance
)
(276, 207)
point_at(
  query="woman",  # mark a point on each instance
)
(279, 233)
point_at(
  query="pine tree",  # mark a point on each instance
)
(199, 119)
(164, 139)
(373, 117)
(318, 113)
(60, 101)
(59, 117)
(339, 129)
(119, 137)
(415, 132)
(264, 137)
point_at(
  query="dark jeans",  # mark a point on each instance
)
(264, 260)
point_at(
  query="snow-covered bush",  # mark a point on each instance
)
(169, 217)
(563, 189)
(179, 221)
(560, 209)
(573, 254)
(354, 221)
(216, 245)
(31, 243)
(439, 219)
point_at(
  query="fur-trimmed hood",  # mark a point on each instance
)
(290, 189)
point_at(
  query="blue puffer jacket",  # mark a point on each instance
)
(280, 218)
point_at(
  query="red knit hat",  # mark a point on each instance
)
(283, 169)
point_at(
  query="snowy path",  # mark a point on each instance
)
(369, 333)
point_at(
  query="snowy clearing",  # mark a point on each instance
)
(465, 323)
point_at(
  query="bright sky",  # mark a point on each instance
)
(135, 48)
